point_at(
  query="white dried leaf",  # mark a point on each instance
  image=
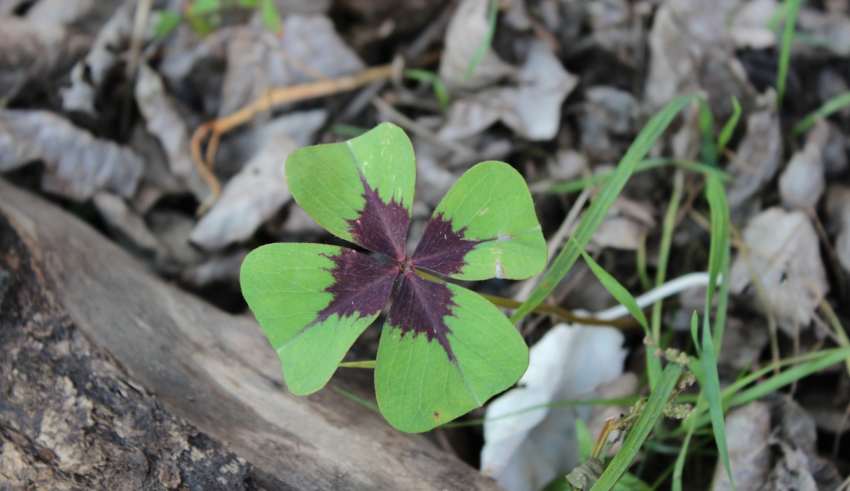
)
(832, 30)
(8, 7)
(298, 223)
(257, 59)
(758, 157)
(532, 108)
(216, 269)
(783, 253)
(88, 74)
(164, 122)
(749, 29)
(802, 182)
(78, 164)
(792, 471)
(259, 190)
(624, 226)
(126, 221)
(691, 50)
(838, 210)
(33, 51)
(465, 37)
(526, 451)
(60, 12)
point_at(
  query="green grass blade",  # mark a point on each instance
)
(792, 8)
(788, 377)
(667, 229)
(617, 290)
(166, 22)
(679, 467)
(599, 208)
(368, 364)
(430, 78)
(651, 413)
(270, 15)
(577, 185)
(584, 439)
(710, 385)
(708, 149)
(718, 258)
(559, 404)
(833, 105)
(718, 249)
(481, 51)
(622, 295)
(729, 128)
(735, 395)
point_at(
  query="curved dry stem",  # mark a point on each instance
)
(216, 128)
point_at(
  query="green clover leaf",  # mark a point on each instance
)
(444, 349)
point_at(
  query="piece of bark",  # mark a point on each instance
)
(113, 379)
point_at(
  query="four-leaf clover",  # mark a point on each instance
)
(444, 349)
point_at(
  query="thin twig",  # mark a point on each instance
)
(561, 313)
(272, 98)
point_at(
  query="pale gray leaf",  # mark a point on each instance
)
(259, 190)
(78, 164)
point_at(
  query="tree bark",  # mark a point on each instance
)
(111, 378)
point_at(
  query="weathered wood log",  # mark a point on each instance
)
(112, 379)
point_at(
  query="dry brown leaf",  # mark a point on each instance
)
(298, 223)
(624, 226)
(432, 179)
(747, 432)
(743, 342)
(78, 164)
(33, 51)
(608, 113)
(757, 158)
(126, 221)
(749, 29)
(532, 108)
(690, 49)
(792, 473)
(783, 253)
(8, 7)
(257, 59)
(801, 183)
(216, 269)
(164, 122)
(173, 230)
(60, 12)
(89, 74)
(838, 210)
(259, 190)
(831, 30)
(465, 37)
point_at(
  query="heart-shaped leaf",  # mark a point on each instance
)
(444, 350)
(360, 190)
(485, 227)
(312, 302)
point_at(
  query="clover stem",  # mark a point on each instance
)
(370, 364)
(562, 313)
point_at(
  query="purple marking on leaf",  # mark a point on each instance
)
(361, 286)
(441, 249)
(420, 307)
(381, 227)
